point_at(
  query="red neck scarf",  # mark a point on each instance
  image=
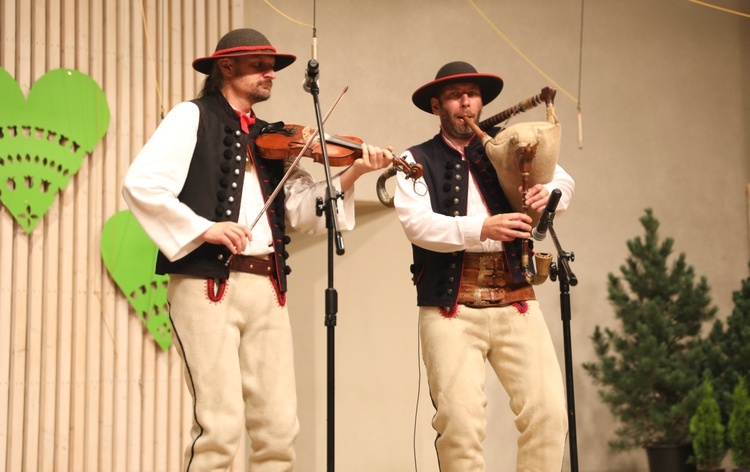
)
(245, 121)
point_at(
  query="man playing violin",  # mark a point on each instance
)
(464, 233)
(195, 187)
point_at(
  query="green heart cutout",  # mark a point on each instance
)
(44, 139)
(130, 258)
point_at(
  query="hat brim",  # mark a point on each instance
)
(490, 87)
(205, 64)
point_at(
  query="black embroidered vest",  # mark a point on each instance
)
(437, 275)
(213, 188)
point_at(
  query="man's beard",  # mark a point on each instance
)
(262, 92)
(454, 129)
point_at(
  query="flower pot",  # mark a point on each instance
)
(670, 458)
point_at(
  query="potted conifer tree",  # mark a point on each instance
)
(649, 369)
(728, 349)
(738, 429)
(726, 355)
(707, 432)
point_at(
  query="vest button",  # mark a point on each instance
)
(228, 213)
(220, 257)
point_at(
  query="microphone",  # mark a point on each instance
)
(540, 232)
(311, 75)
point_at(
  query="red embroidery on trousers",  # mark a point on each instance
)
(448, 314)
(522, 307)
(280, 296)
(212, 292)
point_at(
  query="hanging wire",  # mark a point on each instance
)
(148, 48)
(725, 10)
(580, 75)
(289, 17)
(520, 53)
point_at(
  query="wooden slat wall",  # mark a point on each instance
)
(83, 386)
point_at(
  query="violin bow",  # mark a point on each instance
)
(296, 161)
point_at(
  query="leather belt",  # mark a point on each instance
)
(252, 265)
(486, 281)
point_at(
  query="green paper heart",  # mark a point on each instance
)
(130, 258)
(44, 139)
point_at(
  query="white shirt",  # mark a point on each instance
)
(158, 173)
(440, 233)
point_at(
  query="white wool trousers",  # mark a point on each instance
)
(239, 368)
(519, 348)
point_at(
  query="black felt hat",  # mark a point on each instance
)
(243, 42)
(489, 85)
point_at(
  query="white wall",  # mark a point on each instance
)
(665, 125)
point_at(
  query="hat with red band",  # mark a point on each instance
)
(243, 42)
(490, 85)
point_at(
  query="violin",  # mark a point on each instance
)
(280, 141)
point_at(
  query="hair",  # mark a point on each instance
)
(213, 82)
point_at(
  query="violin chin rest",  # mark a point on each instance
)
(273, 127)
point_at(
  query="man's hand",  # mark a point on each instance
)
(232, 235)
(506, 227)
(373, 158)
(536, 198)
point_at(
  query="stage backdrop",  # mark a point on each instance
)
(662, 87)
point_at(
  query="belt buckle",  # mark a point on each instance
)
(484, 271)
(489, 270)
(478, 291)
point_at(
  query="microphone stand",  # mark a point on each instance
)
(330, 209)
(561, 271)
